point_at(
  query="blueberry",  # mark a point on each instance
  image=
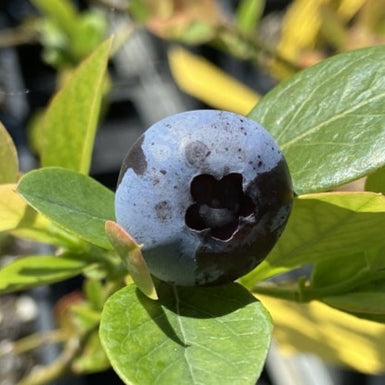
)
(207, 193)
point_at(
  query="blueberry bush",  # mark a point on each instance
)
(329, 124)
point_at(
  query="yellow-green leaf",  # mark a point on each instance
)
(322, 226)
(203, 80)
(335, 336)
(71, 119)
(38, 270)
(17, 217)
(61, 12)
(8, 157)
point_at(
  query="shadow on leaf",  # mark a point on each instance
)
(193, 302)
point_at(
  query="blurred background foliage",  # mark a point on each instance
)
(276, 44)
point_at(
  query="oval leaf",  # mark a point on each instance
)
(329, 119)
(329, 225)
(70, 122)
(38, 270)
(77, 202)
(217, 335)
(21, 220)
(9, 165)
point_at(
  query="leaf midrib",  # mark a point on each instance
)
(333, 118)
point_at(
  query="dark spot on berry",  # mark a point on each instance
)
(135, 159)
(164, 172)
(196, 153)
(163, 211)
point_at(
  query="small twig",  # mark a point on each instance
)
(17, 36)
(34, 341)
(254, 44)
(58, 368)
(72, 349)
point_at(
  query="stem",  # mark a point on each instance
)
(34, 341)
(17, 36)
(62, 365)
(58, 368)
(232, 36)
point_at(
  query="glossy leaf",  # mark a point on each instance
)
(329, 119)
(38, 270)
(324, 226)
(9, 165)
(217, 335)
(70, 122)
(75, 201)
(21, 220)
(335, 336)
(131, 255)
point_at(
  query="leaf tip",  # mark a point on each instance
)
(131, 255)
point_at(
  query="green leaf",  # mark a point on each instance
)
(76, 202)
(248, 14)
(372, 303)
(61, 12)
(38, 270)
(366, 300)
(376, 181)
(21, 220)
(336, 270)
(91, 28)
(94, 293)
(131, 255)
(216, 335)
(9, 165)
(93, 358)
(321, 226)
(70, 122)
(329, 119)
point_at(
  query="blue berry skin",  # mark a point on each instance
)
(207, 193)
